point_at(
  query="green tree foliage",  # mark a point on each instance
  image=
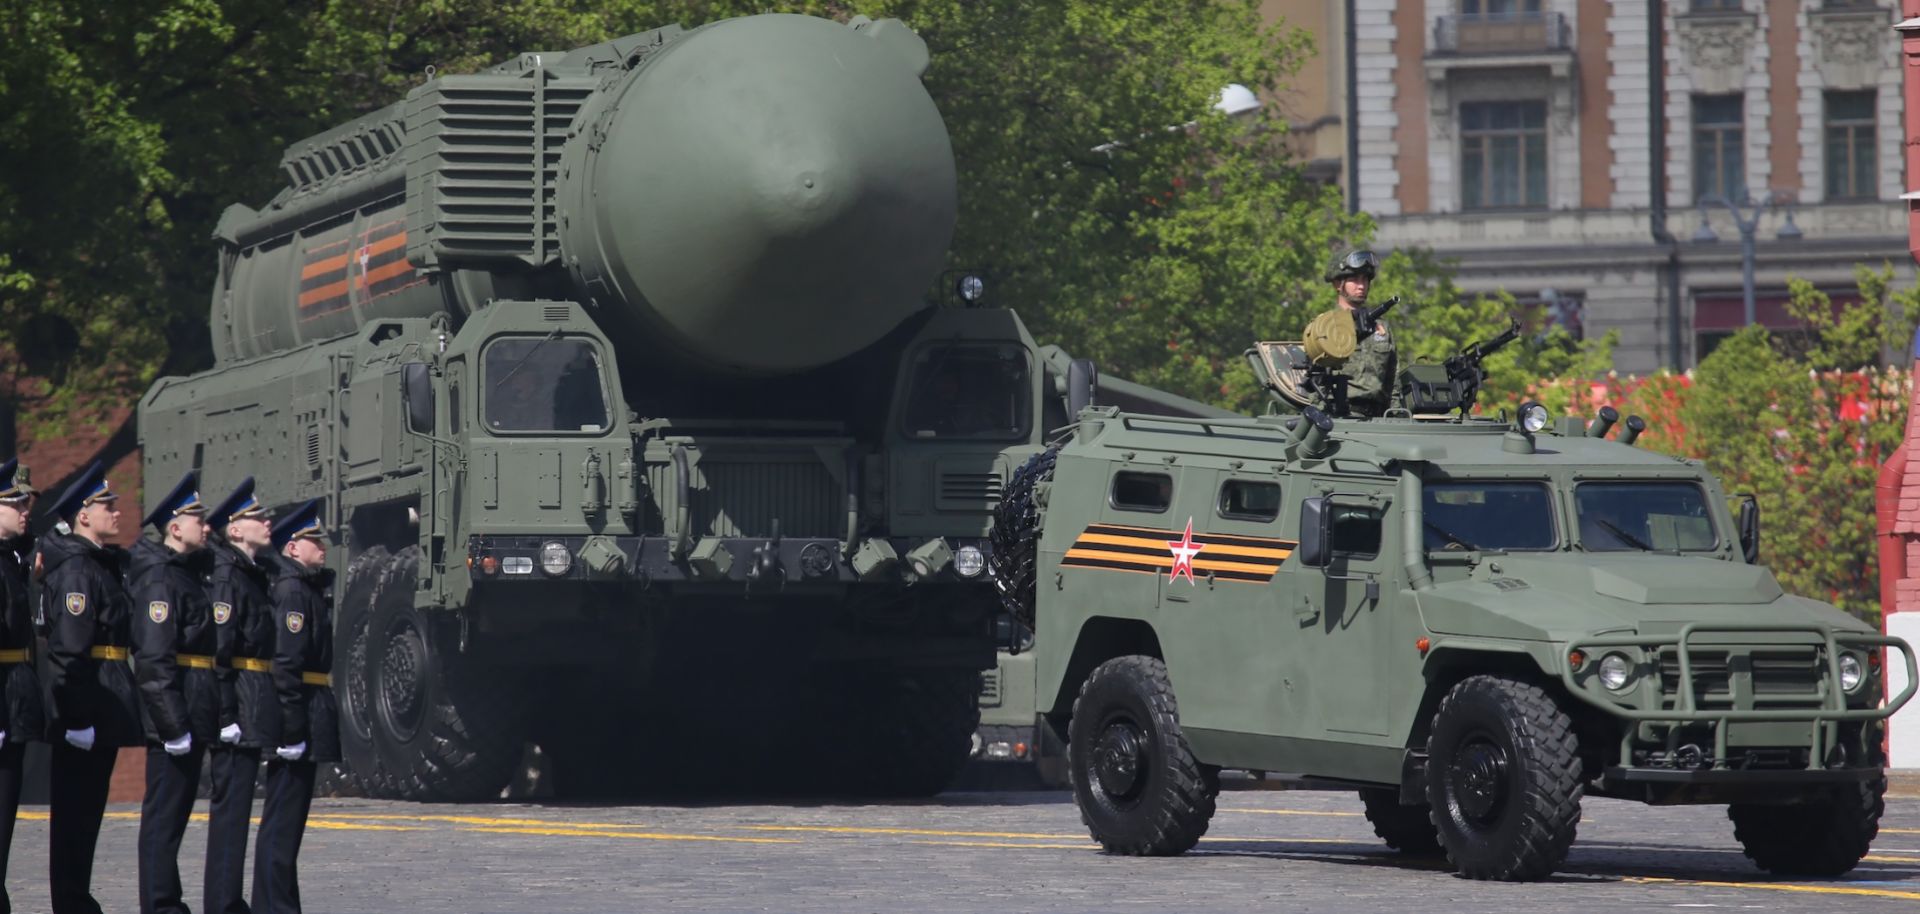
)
(132, 124)
(1803, 419)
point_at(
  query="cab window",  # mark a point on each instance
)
(1142, 491)
(544, 384)
(1247, 499)
(1644, 516)
(969, 391)
(1490, 514)
(1356, 530)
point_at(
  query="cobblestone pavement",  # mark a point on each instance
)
(998, 852)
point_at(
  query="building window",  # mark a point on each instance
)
(1498, 7)
(1503, 154)
(1851, 160)
(1719, 148)
(1715, 6)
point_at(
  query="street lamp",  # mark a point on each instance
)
(1748, 224)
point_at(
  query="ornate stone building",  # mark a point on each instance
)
(1519, 137)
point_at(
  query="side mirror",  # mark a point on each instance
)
(1316, 532)
(1749, 524)
(416, 393)
(1083, 382)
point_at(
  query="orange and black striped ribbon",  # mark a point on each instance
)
(1147, 550)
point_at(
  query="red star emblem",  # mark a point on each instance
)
(1184, 549)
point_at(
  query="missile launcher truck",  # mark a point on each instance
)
(1474, 622)
(615, 372)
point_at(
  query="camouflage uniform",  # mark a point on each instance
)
(1370, 372)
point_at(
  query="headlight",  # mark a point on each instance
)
(555, 559)
(969, 562)
(1851, 675)
(1615, 671)
(971, 288)
(1534, 417)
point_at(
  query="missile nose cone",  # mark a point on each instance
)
(774, 192)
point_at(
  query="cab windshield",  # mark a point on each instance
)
(1489, 515)
(969, 391)
(544, 384)
(1644, 517)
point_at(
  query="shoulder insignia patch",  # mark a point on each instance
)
(296, 621)
(222, 612)
(76, 603)
(157, 611)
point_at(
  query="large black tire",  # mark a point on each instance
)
(1014, 540)
(1140, 790)
(353, 612)
(1816, 839)
(893, 733)
(1503, 778)
(439, 730)
(1407, 829)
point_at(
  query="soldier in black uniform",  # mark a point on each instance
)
(21, 717)
(243, 625)
(173, 646)
(89, 684)
(309, 719)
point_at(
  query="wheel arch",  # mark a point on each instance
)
(1101, 639)
(1448, 666)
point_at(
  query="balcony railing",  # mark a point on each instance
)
(1532, 32)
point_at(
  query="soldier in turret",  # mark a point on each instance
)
(89, 683)
(21, 716)
(309, 719)
(249, 711)
(173, 642)
(1371, 370)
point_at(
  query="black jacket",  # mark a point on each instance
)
(303, 643)
(85, 606)
(173, 617)
(243, 628)
(21, 713)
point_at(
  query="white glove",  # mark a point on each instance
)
(292, 753)
(3, 739)
(180, 746)
(81, 739)
(230, 733)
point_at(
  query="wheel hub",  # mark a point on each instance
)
(1479, 779)
(401, 684)
(1119, 759)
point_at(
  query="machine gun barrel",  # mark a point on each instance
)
(1486, 348)
(1369, 320)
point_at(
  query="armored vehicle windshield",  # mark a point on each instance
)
(1644, 516)
(969, 391)
(1490, 515)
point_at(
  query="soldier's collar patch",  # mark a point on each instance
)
(296, 621)
(76, 603)
(222, 612)
(157, 611)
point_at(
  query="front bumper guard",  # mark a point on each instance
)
(1824, 718)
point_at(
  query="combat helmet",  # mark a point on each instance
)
(1357, 262)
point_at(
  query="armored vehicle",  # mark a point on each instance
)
(615, 369)
(1472, 622)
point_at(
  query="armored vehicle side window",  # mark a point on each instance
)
(1489, 515)
(1247, 499)
(1142, 491)
(1356, 531)
(544, 384)
(969, 391)
(1641, 516)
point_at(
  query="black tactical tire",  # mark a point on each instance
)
(920, 734)
(1503, 779)
(1014, 540)
(1820, 839)
(1140, 790)
(1407, 829)
(354, 610)
(441, 732)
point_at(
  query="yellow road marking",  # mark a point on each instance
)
(350, 826)
(1900, 831)
(1779, 887)
(1882, 858)
(1064, 847)
(1368, 844)
(469, 820)
(931, 832)
(633, 835)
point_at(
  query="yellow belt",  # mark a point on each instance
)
(18, 655)
(197, 661)
(256, 665)
(109, 652)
